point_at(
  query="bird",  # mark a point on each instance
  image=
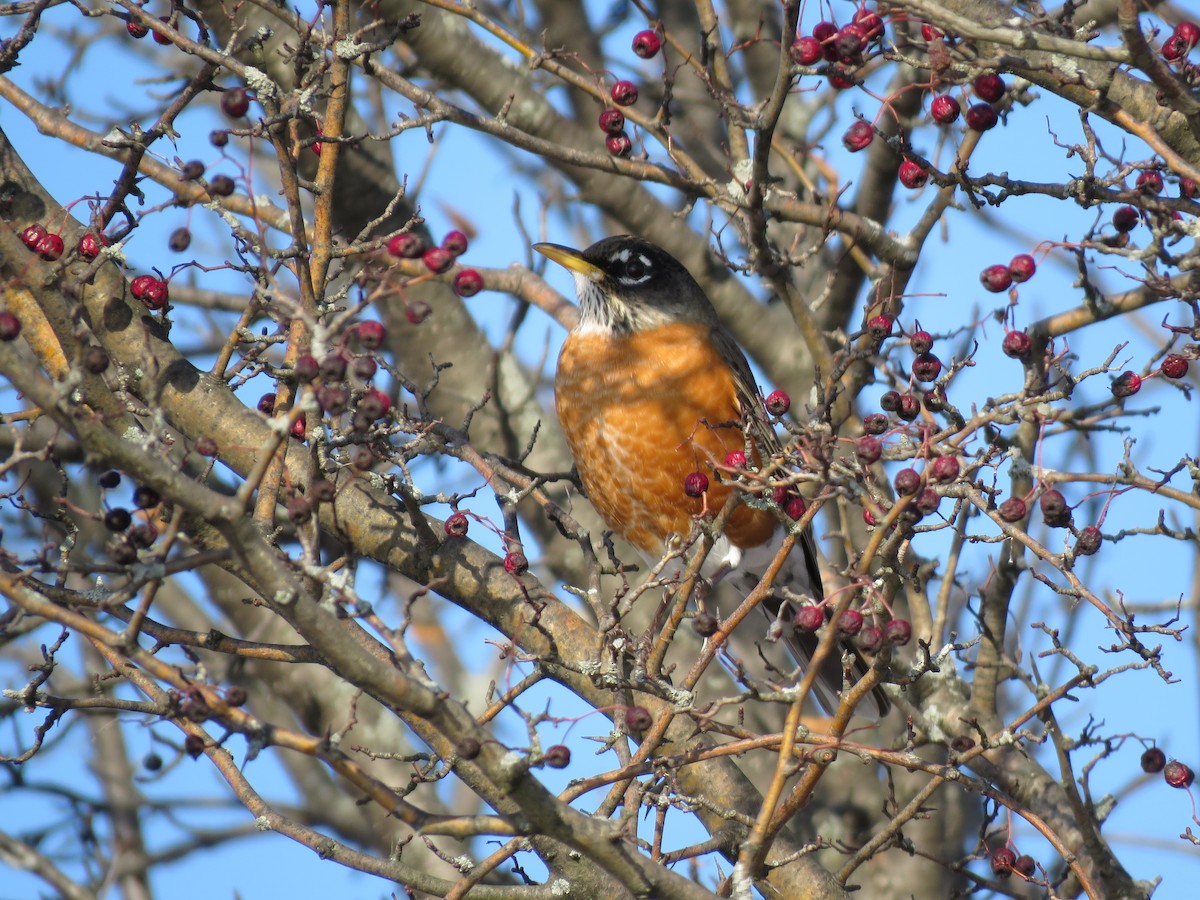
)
(650, 388)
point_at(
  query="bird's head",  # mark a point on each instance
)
(626, 284)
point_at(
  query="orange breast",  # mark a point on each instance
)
(640, 412)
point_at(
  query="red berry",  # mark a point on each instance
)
(868, 449)
(935, 400)
(611, 121)
(300, 428)
(437, 259)
(907, 481)
(375, 404)
(890, 401)
(695, 484)
(10, 327)
(778, 403)
(51, 247)
(364, 368)
(823, 31)
(618, 144)
(32, 236)
(898, 632)
(371, 334)
(996, 278)
(928, 501)
(806, 50)
(849, 43)
(1188, 188)
(136, 30)
(334, 400)
(911, 175)
(1178, 775)
(455, 242)
(910, 407)
(735, 459)
(1089, 541)
(1013, 510)
(858, 136)
(944, 469)
(1025, 866)
(91, 244)
(1126, 384)
(944, 109)
(162, 38)
(795, 508)
(140, 285)
(880, 327)
(456, 525)
(929, 32)
(850, 622)
(840, 79)
(1022, 268)
(926, 367)
(515, 563)
(235, 102)
(468, 283)
(1125, 219)
(638, 719)
(981, 117)
(921, 342)
(875, 423)
(417, 311)
(1189, 32)
(989, 88)
(156, 295)
(221, 186)
(1150, 182)
(1017, 344)
(624, 93)
(1153, 760)
(870, 639)
(406, 246)
(558, 756)
(1174, 365)
(1003, 861)
(266, 404)
(1174, 48)
(809, 618)
(307, 368)
(333, 367)
(869, 21)
(646, 44)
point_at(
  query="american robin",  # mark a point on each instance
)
(650, 388)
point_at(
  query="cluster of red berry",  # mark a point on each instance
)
(438, 260)
(646, 44)
(845, 49)
(1176, 48)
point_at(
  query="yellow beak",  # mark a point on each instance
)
(571, 260)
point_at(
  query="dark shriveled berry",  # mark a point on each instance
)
(146, 497)
(926, 367)
(989, 88)
(417, 311)
(981, 117)
(1126, 385)
(870, 639)
(695, 484)
(333, 367)
(558, 756)
(1125, 219)
(1089, 541)
(928, 501)
(180, 240)
(206, 446)
(907, 481)
(468, 748)
(638, 719)
(1054, 509)
(868, 449)
(875, 423)
(944, 470)
(1025, 866)
(307, 368)
(299, 510)
(1003, 861)
(117, 519)
(95, 360)
(890, 401)
(515, 563)
(921, 342)
(705, 624)
(1013, 510)
(1153, 760)
(221, 186)
(322, 491)
(910, 407)
(898, 632)
(850, 622)
(235, 102)
(1150, 182)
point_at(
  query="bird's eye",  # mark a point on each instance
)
(635, 270)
